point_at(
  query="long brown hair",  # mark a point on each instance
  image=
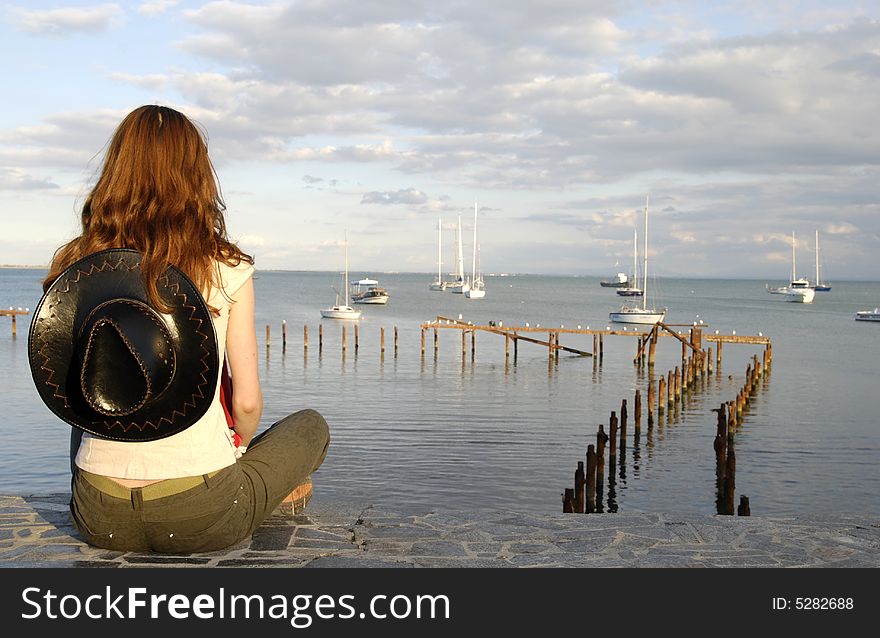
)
(157, 193)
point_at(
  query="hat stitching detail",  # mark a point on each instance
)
(174, 287)
(137, 358)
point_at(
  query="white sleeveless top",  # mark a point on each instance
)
(203, 447)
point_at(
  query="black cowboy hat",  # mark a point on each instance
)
(107, 362)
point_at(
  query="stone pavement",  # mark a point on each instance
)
(36, 531)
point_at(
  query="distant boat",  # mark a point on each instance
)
(368, 291)
(640, 314)
(458, 284)
(439, 284)
(477, 289)
(820, 285)
(868, 315)
(798, 290)
(633, 290)
(619, 281)
(338, 311)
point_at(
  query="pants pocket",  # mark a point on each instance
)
(214, 530)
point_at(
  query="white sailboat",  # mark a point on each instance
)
(344, 311)
(458, 284)
(635, 313)
(632, 289)
(439, 284)
(477, 289)
(820, 285)
(868, 315)
(798, 290)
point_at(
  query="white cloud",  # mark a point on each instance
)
(156, 7)
(67, 20)
(409, 196)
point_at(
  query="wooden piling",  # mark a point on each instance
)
(595, 345)
(638, 415)
(284, 334)
(356, 339)
(423, 342)
(320, 337)
(684, 351)
(685, 375)
(506, 346)
(473, 344)
(382, 338)
(718, 357)
(743, 509)
(623, 421)
(579, 485)
(267, 335)
(612, 435)
(343, 338)
(395, 342)
(670, 389)
(650, 405)
(463, 345)
(436, 345)
(652, 348)
(601, 440)
(601, 347)
(663, 399)
(677, 378)
(709, 362)
(305, 336)
(568, 501)
(591, 479)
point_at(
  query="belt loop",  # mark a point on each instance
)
(137, 498)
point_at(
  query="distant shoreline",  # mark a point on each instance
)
(493, 275)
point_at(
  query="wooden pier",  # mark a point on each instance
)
(13, 312)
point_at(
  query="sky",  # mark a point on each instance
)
(740, 122)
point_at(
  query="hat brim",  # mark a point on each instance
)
(91, 281)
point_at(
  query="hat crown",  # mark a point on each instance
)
(126, 357)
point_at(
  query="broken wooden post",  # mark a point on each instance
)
(343, 339)
(638, 415)
(743, 509)
(568, 501)
(320, 337)
(591, 479)
(601, 440)
(650, 405)
(305, 336)
(423, 341)
(395, 341)
(663, 398)
(382, 339)
(612, 436)
(579, 484)
(623, 419)
(267, 335)
(356, 341)
(284, 334)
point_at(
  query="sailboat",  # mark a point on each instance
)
(632, 290)
(458, 284)
(820, 286)
(640, 314)
(798, 290)
(342, 311)
(439, 284)
(477, 288)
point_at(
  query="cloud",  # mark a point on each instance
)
(68, 20)
(17, 180)
(156, 7)
(308, 179)
(409, 196)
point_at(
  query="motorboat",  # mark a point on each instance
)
(368, 291)
(868, 315)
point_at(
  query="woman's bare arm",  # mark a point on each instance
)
(241, 349)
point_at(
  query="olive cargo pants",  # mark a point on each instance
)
(208, 512)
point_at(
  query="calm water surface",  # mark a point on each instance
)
(460, 434)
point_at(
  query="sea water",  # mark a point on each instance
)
(456, 432)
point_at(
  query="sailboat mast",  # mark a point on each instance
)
(635, 271)
(474, 263)
(645, 268)
(817, 257)
(345, 289)
(793, 264)
(460, 262)
(439, 249)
